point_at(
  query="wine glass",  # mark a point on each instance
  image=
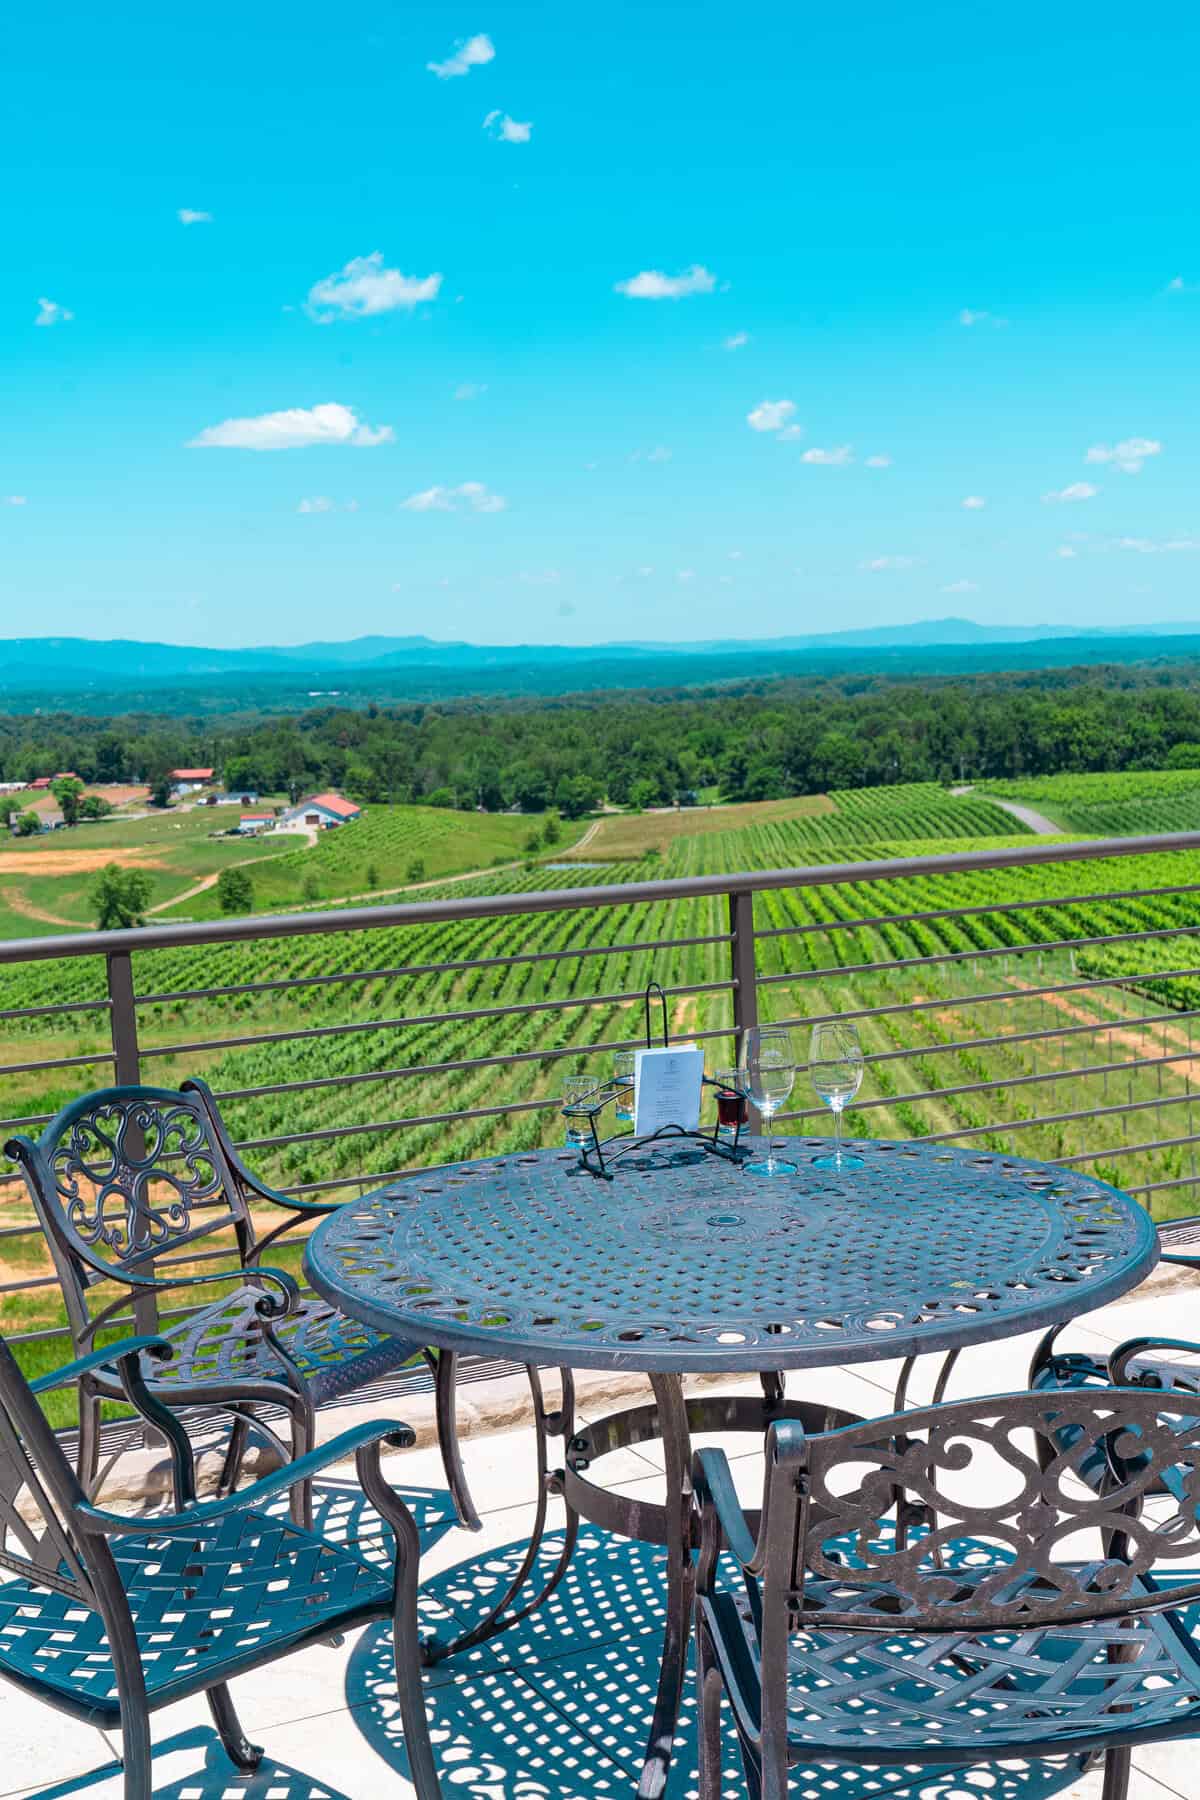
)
(768, 1070)
(835, 1067)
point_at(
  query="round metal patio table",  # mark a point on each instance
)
(682, 1264)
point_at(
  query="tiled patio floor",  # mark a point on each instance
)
(556, 1709)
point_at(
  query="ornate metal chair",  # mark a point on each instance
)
(1161, 1363)
(127, 1182)
(109, 1617)
(1024, 1621)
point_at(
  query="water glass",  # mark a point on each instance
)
(767, 1072)
(835, 1067)
(578, 1090)
(624, 1063)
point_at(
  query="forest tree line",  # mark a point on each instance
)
(760, 741)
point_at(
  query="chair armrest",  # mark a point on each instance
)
(270, 1307)
(1124, 1354)
(722, 1522)
(1184, 1234)
(101, 1359)
(269, 1487)
(260, 1189)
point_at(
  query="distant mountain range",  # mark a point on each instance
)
(58, 662)
(118, 675)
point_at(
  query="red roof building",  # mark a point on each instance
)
(191, 774)
(337, 810)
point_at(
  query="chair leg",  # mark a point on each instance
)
(304, 1437)
(444, 1375)
(235, 1452)
(87, 1455)
(135, 1755)
(241, 1753)
(406, 1649)
(1116, 1774)
(708, 1694)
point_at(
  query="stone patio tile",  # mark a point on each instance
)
(38, 1745)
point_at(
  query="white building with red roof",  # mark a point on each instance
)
(323, 811)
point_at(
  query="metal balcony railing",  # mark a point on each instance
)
(1037, 1000)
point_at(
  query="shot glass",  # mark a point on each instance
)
(731, 1103)
(577, 1091)
(624, 1064)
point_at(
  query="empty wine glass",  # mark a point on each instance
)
(768, 1070)
(835, 1067)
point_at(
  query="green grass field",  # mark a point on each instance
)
(1111, 805)
(938, 1035)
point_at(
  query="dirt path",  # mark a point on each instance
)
(1033, 821)
(1157, 1041)
(16, 902)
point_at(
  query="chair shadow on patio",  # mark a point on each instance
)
(558, 1708)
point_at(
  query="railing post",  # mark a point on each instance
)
(127, 1070)
(123, 1018)
(743, 967)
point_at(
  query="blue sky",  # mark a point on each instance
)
(633, 321)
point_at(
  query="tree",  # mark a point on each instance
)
(94, 806)
(120, 897)
(68, 791)
(160, 791)
(551, 830)
(372, 876)
(310, 887)
(28, 823)
(415, 870)
(235, 891)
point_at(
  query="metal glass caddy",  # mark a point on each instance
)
(597, 1151)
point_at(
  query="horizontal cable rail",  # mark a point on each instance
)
(480, 1045)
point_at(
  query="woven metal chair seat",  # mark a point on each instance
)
(242, 1590)
(225, 1344)
(904, 1696)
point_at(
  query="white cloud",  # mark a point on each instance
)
(319, 503)
(469, 54)
(968, 316)
(1129, 455)
(365, 288)
(961, 587)
(829, 459)
(187, 216)
(879, 462)
(470, 390)
(737, 342)
(294, 429)
(1078, 490)
(51, 313)
(470, 496)
(735, 555)
(1066, 552)
(974, 502)
(876, 563)
(652, 284)
(771, 415)
(13, 500)
(1149, 547)
(1177, 285)
(506, 130)
(686, 575)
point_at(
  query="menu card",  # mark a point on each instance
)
(668, 1088)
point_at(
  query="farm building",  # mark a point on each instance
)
(189, 781)
(251, 823)
(238, 798)
(322, 810)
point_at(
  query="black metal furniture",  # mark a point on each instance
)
(679, 1265)
(127, 1182)
(109, 1617)
(1141, 1362)
(1024, 1623)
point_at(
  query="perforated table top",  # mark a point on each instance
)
(683, 1262)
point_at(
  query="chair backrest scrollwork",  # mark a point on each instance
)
(122, 1176)
(1012, 1541)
